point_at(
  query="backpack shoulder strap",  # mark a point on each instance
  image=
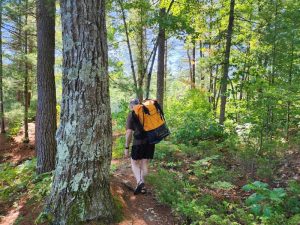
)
(137, 121)
(159, 109)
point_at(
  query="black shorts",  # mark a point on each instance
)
(143, 151)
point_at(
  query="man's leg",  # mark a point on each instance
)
(144, 167)
(137, 171)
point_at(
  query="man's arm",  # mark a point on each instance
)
(128, 141)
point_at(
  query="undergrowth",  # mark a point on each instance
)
(203, 189)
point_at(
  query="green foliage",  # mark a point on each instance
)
(174, 189)
(210, 170)
(113, 168)
(223, 185)
(264, 201)
(273, 204)
(44, 217)
(118, 147)
(191, 120)
(17, 179)
(118, 216)
(15, 121)
(120, 116)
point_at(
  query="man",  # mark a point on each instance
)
(141, 150)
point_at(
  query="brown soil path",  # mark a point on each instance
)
(142, 209)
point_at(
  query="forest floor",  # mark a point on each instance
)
(142, 209)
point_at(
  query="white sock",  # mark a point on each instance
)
(136, 169)
(144, 166)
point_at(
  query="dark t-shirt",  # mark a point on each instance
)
(130, 124)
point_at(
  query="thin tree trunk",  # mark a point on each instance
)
(153, 56)
(151, 69)
(194, 65)
(141, 58)
(46, 108)
(129, 47)
(226, 63)
(274, 49)
(26, 78)
(166, 64)
(190, 67)
(161, 61)
(290, 83)
(1, 74)
(273, 74)
(215, 93)
(211, 85)
(81, 186)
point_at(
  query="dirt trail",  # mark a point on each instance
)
(139, 209)
(142, 209)
(14, 150)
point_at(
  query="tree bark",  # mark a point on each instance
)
(46, 108)
(81, 189)
(26, 78)
(1, 75)
(224, 79)
(161, 61)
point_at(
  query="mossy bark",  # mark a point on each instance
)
(81, 190)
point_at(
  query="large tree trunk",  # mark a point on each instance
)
(26, 79)
(161, 61)
(46, 108)
(1, 75)
(81, 189)
(224, 79)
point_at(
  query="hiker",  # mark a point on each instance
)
(141, 150)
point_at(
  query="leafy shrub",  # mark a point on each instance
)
(166, 150)
(191, 119)
(168, 186)
(118, 147)
(120, 116)
(15, 119)
(17, 179)
(191, 205)
(293, 198)
(264, 201)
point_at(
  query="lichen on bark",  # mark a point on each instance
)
(81, 190)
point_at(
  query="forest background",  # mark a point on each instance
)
(227, 75)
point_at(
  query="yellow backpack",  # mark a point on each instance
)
(150, 120)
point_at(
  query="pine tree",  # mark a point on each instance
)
(46, 109)
(81, 189)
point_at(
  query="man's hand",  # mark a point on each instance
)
(126, 153)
